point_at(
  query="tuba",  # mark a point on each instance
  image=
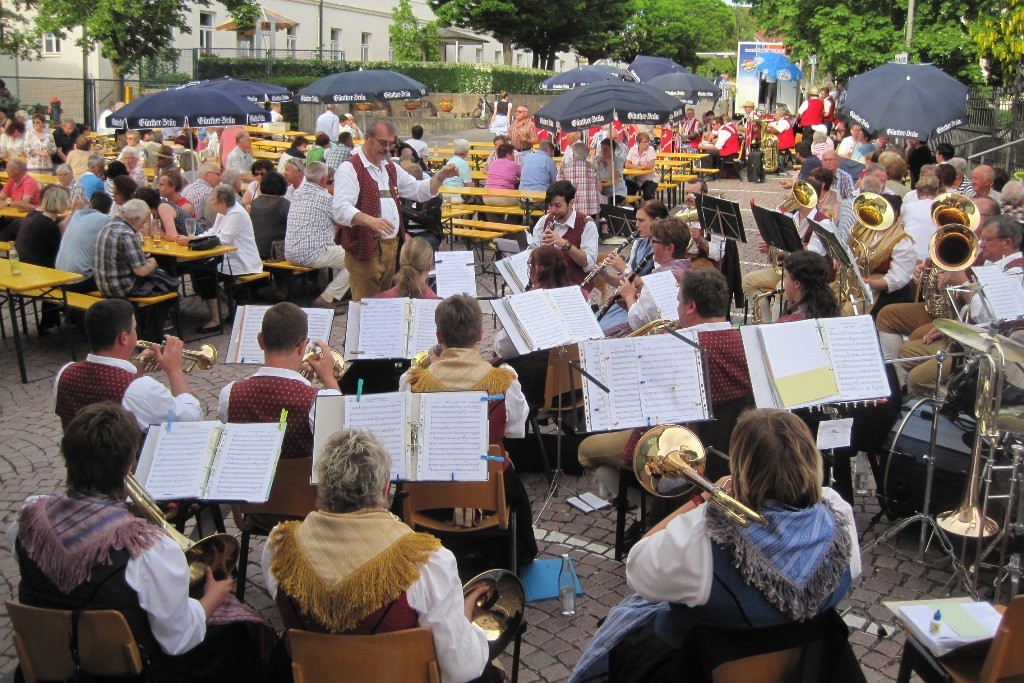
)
(953, 247)
(657, 326)
(667, 454)
(803, 196)
(203, 359)
(874, 215)
(499, 611)
(956, 209)
(769, 147)
(218, 552)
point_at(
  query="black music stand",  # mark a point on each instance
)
(777, 229)
(720, 216)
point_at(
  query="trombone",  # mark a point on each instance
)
(203, 359)
(666, 454)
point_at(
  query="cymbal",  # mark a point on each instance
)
(1011, 419)
(979, 340)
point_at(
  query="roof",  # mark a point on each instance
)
(267, 17)
(453, 34)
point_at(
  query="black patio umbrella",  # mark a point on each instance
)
(370, 85)
(254, 91)
(645, 68)
(185, 106)
(906, 101)
(690, 88)
(583, 75)
(598, 104)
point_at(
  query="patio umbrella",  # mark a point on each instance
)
(363, 86)
(583, 75)
(775, 65)
(254, 91)
(687, 87)
(187, 106)
(645, 68)
(598, 104)
(906, 101)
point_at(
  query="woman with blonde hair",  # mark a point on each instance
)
(415, 262)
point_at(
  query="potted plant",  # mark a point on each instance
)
(412, 105)
(363, 106)
(446, 104)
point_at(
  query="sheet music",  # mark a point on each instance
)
(245, 467)
(244, 347)
(424, 329)
(664, 290)
(620, 360)
(575, 310)
(381, 329)
(455, 434)
(671, 379)
(386, 416)
(798, 365)
(596, 401)
(1004, 292)
(534, 312)
(456, 273)
(764, 395)
(180, 458)
(515, 270)
(856, 357)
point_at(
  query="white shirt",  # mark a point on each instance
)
(101, 121)
(516, 408)
(716, 246)
(234, 228)
(418, 145)
(160, 577)
(329, 123)
(901, 265)
(588, 241)
(276, 116)
(846, 146)
(917, 222)
(675, 565)
(815, 244)
(979, 312)
(436, 597)
(146, 398)
(283, 373)
(290, 192)
(346, 191)
(723, 137)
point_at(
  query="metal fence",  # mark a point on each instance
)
(995, 117)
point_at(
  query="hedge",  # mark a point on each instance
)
(437, 76)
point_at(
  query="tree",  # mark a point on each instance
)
(677, 29)
(411, 42)
(601, 32)
(997, 34)
(18, 39)
(494, 17)
(130, 31)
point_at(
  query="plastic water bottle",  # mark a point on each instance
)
(15, 260)
(860, 475)
(567, 587)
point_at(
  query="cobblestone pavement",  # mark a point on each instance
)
(30, 464)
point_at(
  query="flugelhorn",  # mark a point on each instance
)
(203, 359)
(667, 454)
(499, 611)
(338, 369)
(219, 552)
(803, 196)
(953, 247)
(952, 208)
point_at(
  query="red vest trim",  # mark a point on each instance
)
(812, 116)
(260, 399)
(1015, 263)
(732, 145)
(575, 236)
(84, 383)
(361, 241)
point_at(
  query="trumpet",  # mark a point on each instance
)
(338, 369)
(686, 215)
(203, 359)
(668, 453)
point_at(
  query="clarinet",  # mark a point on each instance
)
(641, 269)
(601, 266)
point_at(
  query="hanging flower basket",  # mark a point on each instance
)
(363, 106)
(412, 105)
(446, 104)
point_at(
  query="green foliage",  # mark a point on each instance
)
(678, 29)
(710, 68)
(411, 41)
(18, 38)
(997, 35)
(437, 76)
(602, 36)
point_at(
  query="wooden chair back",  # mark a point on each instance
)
(441, 495)
(106, 645)
(771, 667)
(397, 656)
(1005, 658)
(291, 493)
(558, 383)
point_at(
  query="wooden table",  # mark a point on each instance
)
(35, 282)
(686, 156)
(15, 212)
(41, 178)
(279, 145)
(527, 195)
(171, 254)
(266, 154)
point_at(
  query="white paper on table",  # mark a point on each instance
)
(663, 289)
(454, 436)
(456, 273)
(834, 433)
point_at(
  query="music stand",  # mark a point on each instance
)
(777, 229)
(720, 216)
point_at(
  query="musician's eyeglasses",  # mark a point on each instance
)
(992, 239)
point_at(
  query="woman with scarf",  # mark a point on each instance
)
(696, 569)
(353, 568)
(83, 549)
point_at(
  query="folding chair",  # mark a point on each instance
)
(396, 656)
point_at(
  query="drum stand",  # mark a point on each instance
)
(1012, 527)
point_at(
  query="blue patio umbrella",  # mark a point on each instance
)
(186, 106)
(370, 85)
(775, 65)
(645, 68)
(254, 91)
(583, 75)
(598, 104)
(906, 101)
(690, 88)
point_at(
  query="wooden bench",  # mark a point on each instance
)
(700, 171)
(287, 266)
(488, 225)
(76, 300)
(5, 247)
(251, 277)
(471, 234)
(144, 301)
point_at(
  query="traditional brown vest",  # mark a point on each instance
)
(574, 235)
(360, 241)
(84, 383)
(261, 399)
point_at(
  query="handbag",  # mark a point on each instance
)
(159, 282)
(204, 243)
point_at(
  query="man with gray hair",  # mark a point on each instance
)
(309, 238)
(982, 178)
(119, 261)
(240, 158)
(460, 154)
(328, 122)
(538, 168)
(21, 190)
(339, 153)
(198, 192)
(368, 190)
(581, 173)
(295, 174)
(92, 180)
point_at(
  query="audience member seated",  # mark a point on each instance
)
(538, 168)
(78, 244)
(197, 193)
(611, 160)
(460, 154)
(21, 191)
(502, 174)
(642, 156)
(260, 168)
(581, 173)
(78, 158)
(269, 213)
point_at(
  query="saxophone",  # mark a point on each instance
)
(769, 148)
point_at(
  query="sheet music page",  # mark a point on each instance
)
(245, 467)
(244, 347)
(542, 324)
(328, 418)
(764, 396)
(671, 379)
(1004, 292)
(856, 357)
(664, 289)
(515, 270)
(598, 402)
(381, 329)
(797, 363)
(386, 416)
(180, 459)
(575, 310)
(454, 436)
(456, 273)
(424, 329)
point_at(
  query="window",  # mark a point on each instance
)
(206, 32)
(291, 40)
(497, 56)
(336, 52)
(561, 65)
(391, 51)
(479, 55)
(51, 44)
(245, 44)
(364, 53)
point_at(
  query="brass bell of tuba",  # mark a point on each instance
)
(499, 611)
(952, 208)
(203, 359)
(953, 247)
(803, 196)
(686, 215)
